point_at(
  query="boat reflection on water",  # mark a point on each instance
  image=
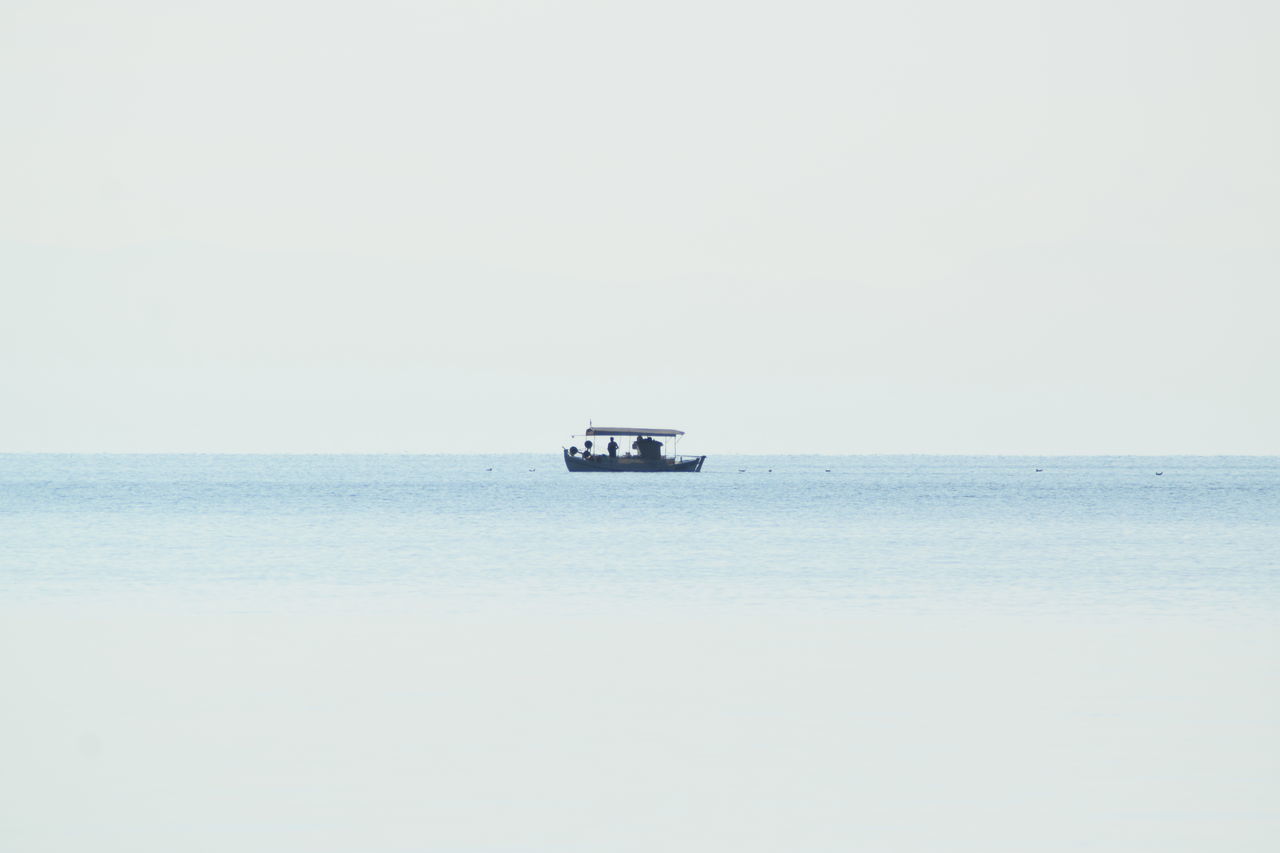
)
(645, 453)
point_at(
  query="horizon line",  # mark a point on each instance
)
(1080, 454)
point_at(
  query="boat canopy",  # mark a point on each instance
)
(595, 430)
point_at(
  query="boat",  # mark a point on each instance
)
(644, 453)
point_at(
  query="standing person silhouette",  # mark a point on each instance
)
(613, 446)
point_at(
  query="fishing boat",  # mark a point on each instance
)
(643, 453)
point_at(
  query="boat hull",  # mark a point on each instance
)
(632, 463)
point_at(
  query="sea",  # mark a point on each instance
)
(488, 653)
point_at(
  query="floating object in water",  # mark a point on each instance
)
(648, 455)
(742, 470)
(1039, 470)
(488, 469)
(1159, 473)
(531, 470)
(828, 470)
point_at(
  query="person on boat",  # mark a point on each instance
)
(649, 448)
(613, 447)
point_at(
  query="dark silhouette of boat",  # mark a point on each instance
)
(645, 453)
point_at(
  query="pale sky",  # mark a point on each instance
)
(931, 227)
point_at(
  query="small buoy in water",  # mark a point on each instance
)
(1159, 473)
(828, 470)
(742, 470)
(1039, 470)
(488, 469)
(770, 470)
(531, 470)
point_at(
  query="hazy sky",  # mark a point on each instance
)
(461, 226)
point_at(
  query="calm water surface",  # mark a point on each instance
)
(865, 533)
(328, 654)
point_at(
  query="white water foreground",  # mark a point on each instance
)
(533, 729)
